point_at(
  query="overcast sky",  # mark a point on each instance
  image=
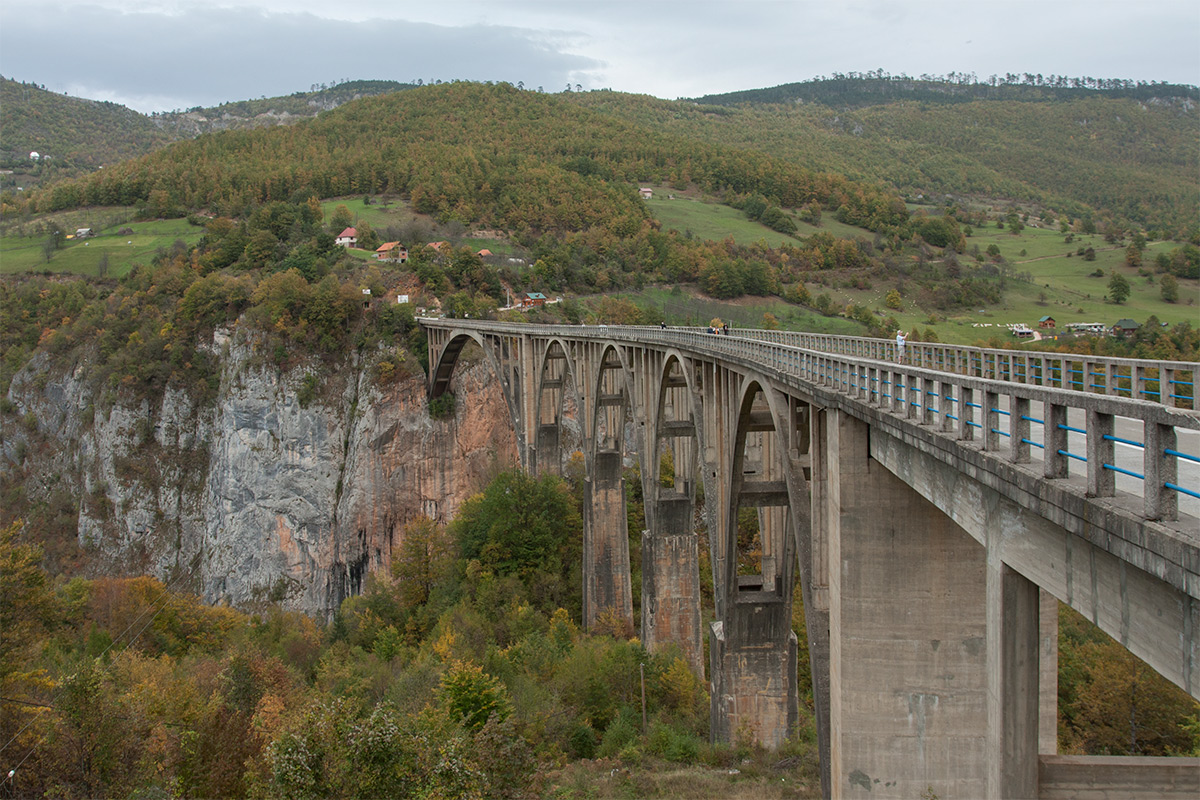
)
(161, 55)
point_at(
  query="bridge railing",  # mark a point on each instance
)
(1171, 383)
(1102, 436)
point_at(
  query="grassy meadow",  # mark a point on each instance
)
(24, 251)
(704, 218)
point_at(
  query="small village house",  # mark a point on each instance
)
(1046, 322)
(646, 192)
(393, 252)
(347, 238)
(1125, 327)
(531, 300)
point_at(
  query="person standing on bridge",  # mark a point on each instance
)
(900, 346)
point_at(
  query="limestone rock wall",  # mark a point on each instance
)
(256, 496)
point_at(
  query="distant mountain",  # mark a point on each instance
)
(1076, 146)
(872, 88)
(269, 111)
(74, 133)
(1122, 150)
(80, 135)
(492, 155)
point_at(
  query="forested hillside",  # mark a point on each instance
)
(80, 135)
(488, 154)
(1077, 145)
(1123, 153)
(71, 135)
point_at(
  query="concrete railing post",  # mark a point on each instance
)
(1160, 468)
(1020, 427)
(990, 419)
(966, 413)
(1102, 482)
(1056, 464)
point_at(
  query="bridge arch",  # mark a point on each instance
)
(756, 685)
(556, 383)
(443, 371)
(670, 544)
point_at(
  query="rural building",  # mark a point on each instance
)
(83, 233)
(439, 247)
(532, 300)
(347, 238)
(646, 192)
(484, 253)
(392, 251)
(1125, 327)
(1021, 331)
(1046, 322)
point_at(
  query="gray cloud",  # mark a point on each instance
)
(166, 54)
(154, 62)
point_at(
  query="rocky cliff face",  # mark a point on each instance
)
(258, 496)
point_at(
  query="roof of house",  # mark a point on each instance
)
(1046, 318)
(383, 248)
(535, 295)
(484, 252)
(1125, 323)
(349, 232)
(438, 245)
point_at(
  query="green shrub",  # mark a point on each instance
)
(621, 733)
(442, 407)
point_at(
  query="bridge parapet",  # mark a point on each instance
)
(1169, 383)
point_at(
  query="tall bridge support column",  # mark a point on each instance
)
(1013, 640)
(671, 582)
(908, 636)
(753, 667)
(606, 581)
(547, 454)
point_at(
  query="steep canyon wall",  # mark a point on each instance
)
(257, 496)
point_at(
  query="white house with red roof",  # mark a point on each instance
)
(347, 238)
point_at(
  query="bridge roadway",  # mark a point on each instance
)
(934, 512)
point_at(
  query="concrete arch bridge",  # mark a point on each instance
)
(935, 511)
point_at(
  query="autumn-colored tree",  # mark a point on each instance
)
(423, 561)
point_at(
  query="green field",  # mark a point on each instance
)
(378, 215)
(83, 256)
(678, 306)
(708, 219)
(1059, 285)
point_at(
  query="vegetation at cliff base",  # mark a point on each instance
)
(456, 673)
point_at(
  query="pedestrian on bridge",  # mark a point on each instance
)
(900, 345)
